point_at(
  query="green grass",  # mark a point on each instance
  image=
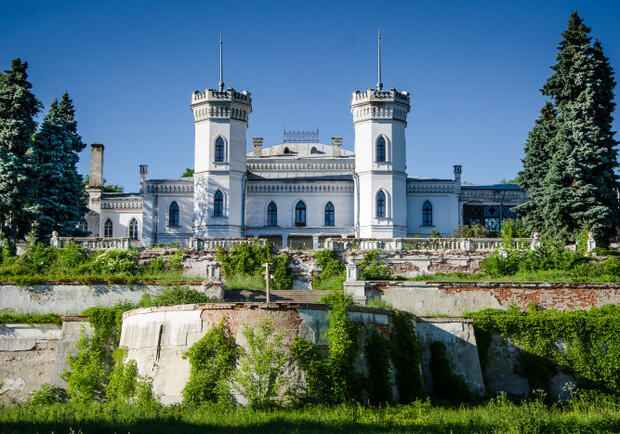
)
(245, 281)
(8, 317)
(333, 283)
(498, 415)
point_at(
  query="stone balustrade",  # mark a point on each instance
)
(225, 243)
(457, 244)
(92, 243)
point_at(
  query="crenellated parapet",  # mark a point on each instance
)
(227, 104)
(380, 105)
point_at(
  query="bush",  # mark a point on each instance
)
(87, 371)
(331, 274)
(259, 375)
(475, 231)
(212, 360)
(177, 294)
(406, 353)
(373, 268)
(248, 259)
(48, 394)
(123, 378)
(116, 261)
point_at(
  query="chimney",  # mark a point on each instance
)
(96, 165)
(457, 172)
(144, 171)
(257, 143)
(337, 146)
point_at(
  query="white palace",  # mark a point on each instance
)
(298, 192)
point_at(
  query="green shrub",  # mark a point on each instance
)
(259, 375)
(123, 377)
(248, 259)
(212, 360)
(475, 231)
(373, 268)
(332, 379)
(331, 274)
(87, 371)
(174, 295)
(435, 233)
(378, 303)
(48, 394)
(116, 261)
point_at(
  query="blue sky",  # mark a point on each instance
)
(474, 69)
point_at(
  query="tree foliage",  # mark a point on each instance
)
(59, 200)
(570, 155)
(18, 106)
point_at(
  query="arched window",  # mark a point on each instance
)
(219, 150)
(133, 229)
(329, 214)
(173, 214)
(218, 204)
(313, 150)
(286, 151)
(272, 214)
(427, 214)
(380, 149)
(108, 229)
(381, 204)
(300, 214)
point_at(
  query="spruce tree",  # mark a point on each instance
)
(536, 164)
(60, 201)
(578, 186)
(18, 106)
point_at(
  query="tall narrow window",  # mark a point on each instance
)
(329, 214)
(272, 214)
(218, 204)
(427, 214)
(380, 149)
(133, 229)
(173, 214)
(300, 214)
(381, 204)
(108, 229)
(219, 150)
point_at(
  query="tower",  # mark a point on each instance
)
(379, 121)
(221, 122)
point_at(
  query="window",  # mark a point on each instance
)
(219, 150)
(380, 149)
(381, 204)
(173, 214)
(108, 229)
(286, 151)
(300, 214)
(272, 214)
(427, 214)
(218, 204)
(329, 214)
(313, 150)
(133, 229)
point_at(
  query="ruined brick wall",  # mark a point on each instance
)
(447, 295)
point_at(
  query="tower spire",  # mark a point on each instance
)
(379, 84)
(221, 85)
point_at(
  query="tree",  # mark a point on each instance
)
(60, 201)
(18, 106)
(575, 187)
(536, 164)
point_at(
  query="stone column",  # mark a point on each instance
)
(315, 242)
(591, 242)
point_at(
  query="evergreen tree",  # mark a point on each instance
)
(60, 201)
(536, 164)
(577, 187)
(18, 106)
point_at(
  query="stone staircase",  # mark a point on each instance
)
(297, 296)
